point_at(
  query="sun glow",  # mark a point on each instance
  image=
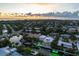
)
(9, 11)
(29, 7)
(40, 7)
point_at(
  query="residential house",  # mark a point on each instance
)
(16, 39)
(7, 51)
(65, 44)
(46, 40)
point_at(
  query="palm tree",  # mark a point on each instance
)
(62, 47)
(55, 42)
(73, 38)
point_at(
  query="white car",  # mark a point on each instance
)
(34, 52)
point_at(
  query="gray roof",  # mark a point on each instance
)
(15, 54)
(4, 52)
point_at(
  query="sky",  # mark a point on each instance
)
(38, 7)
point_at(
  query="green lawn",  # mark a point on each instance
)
(54, 53)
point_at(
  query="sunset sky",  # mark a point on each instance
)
(38, 7)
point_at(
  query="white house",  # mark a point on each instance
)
(78, 29)
(42, 37)
(37, 29)
(71, 29)
(78, 45)
(33, 35)
(46, 38)
(77, 36)
(46, 41)
(4, 31)
(65, 44)
(65, 35)
(16, 39)
(1, 39)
